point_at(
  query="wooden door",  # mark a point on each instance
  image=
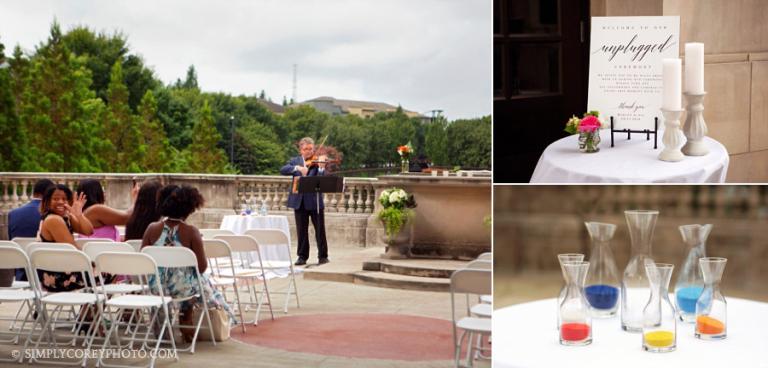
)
(539, 79)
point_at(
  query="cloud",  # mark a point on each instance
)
(424, 55)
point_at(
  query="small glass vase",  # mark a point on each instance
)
(563, 259)
(404, 165)
(635, 286)
(711, 308)
(659, 317)
(575, 320)
(589, 142)
(602, 287)
(690, 281)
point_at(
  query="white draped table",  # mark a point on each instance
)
(525, 335)
(239, 224)
(629, 161)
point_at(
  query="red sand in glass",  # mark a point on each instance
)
(574, 331)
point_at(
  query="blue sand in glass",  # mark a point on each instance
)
(602, 296)
(687, 297)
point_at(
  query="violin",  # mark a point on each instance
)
(315, 161)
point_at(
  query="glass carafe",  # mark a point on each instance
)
(602, 286)
(634, 281)
(576, 323)
(659, 317)
(562, 259)
(711, 308)
(690, 282)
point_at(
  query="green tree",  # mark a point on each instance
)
(348, 134)
(122, 126)
(158, 151)
(257, 150)
(470, 142)
(58, 109)
(191, 81)
(102, 51)
(303, 121)
(436, 141)
(12, 136)
(203, 154)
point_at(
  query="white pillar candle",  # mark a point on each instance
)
(672, 91)
(694, 68)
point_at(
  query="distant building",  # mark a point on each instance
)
(363, 109)
(273, 107)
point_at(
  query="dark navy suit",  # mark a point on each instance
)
(305, 207)
(24, 222)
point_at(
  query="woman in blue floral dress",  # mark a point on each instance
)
(175, 204)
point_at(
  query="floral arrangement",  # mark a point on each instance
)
(405, 151)
(397, 210)
(588, 124)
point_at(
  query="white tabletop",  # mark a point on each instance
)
(239, 224)
(629, 161)
(525, 335)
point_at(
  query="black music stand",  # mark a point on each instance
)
(320, 184)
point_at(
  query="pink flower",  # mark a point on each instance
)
(589, 124)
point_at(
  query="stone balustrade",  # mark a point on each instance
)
(350, 216)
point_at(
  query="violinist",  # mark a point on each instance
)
(304, 205)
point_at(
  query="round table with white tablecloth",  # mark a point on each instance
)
(239, 224)
(629, 161)
(525, 335)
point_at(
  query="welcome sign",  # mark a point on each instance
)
(625, 68)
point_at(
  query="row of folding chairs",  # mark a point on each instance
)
(253, 265)
(473, 326)
(101, 307)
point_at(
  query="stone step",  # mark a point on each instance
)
(421, 268)
(396, 281)
(381, 279)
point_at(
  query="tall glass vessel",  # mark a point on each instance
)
(711, 308)
(659, 317)
(635, 290)
(602, 286)
(690, 282)
(565, 258)
(576, 324)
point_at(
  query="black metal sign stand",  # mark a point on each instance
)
(647, 132)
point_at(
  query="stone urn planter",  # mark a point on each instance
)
(399, 246)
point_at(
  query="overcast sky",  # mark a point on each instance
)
(421, 54)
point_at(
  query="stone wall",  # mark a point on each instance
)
(735, 35)
(534, 224)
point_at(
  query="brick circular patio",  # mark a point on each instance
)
(373, 336)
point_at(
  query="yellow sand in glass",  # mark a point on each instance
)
(659, 339)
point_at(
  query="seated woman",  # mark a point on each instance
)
(104, 219)
(61, 215)
(144, 210)
(176, 204)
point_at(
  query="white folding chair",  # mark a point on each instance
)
(9, 243)
(487, 256)
(31, 247)
(73, 261)
(12, 257)
(136, 244)
(23, 242)
(142, 267)
(211, 233)
(216, 249)
(81, 241)
(244, 246)
(181, 257)
(93, 249)
(469, 281)
(275, 243)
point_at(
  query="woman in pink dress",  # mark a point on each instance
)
(104, 219)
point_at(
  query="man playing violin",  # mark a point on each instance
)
(305, 205)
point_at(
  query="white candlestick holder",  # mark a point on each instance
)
(695, 128)
(673, 137)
